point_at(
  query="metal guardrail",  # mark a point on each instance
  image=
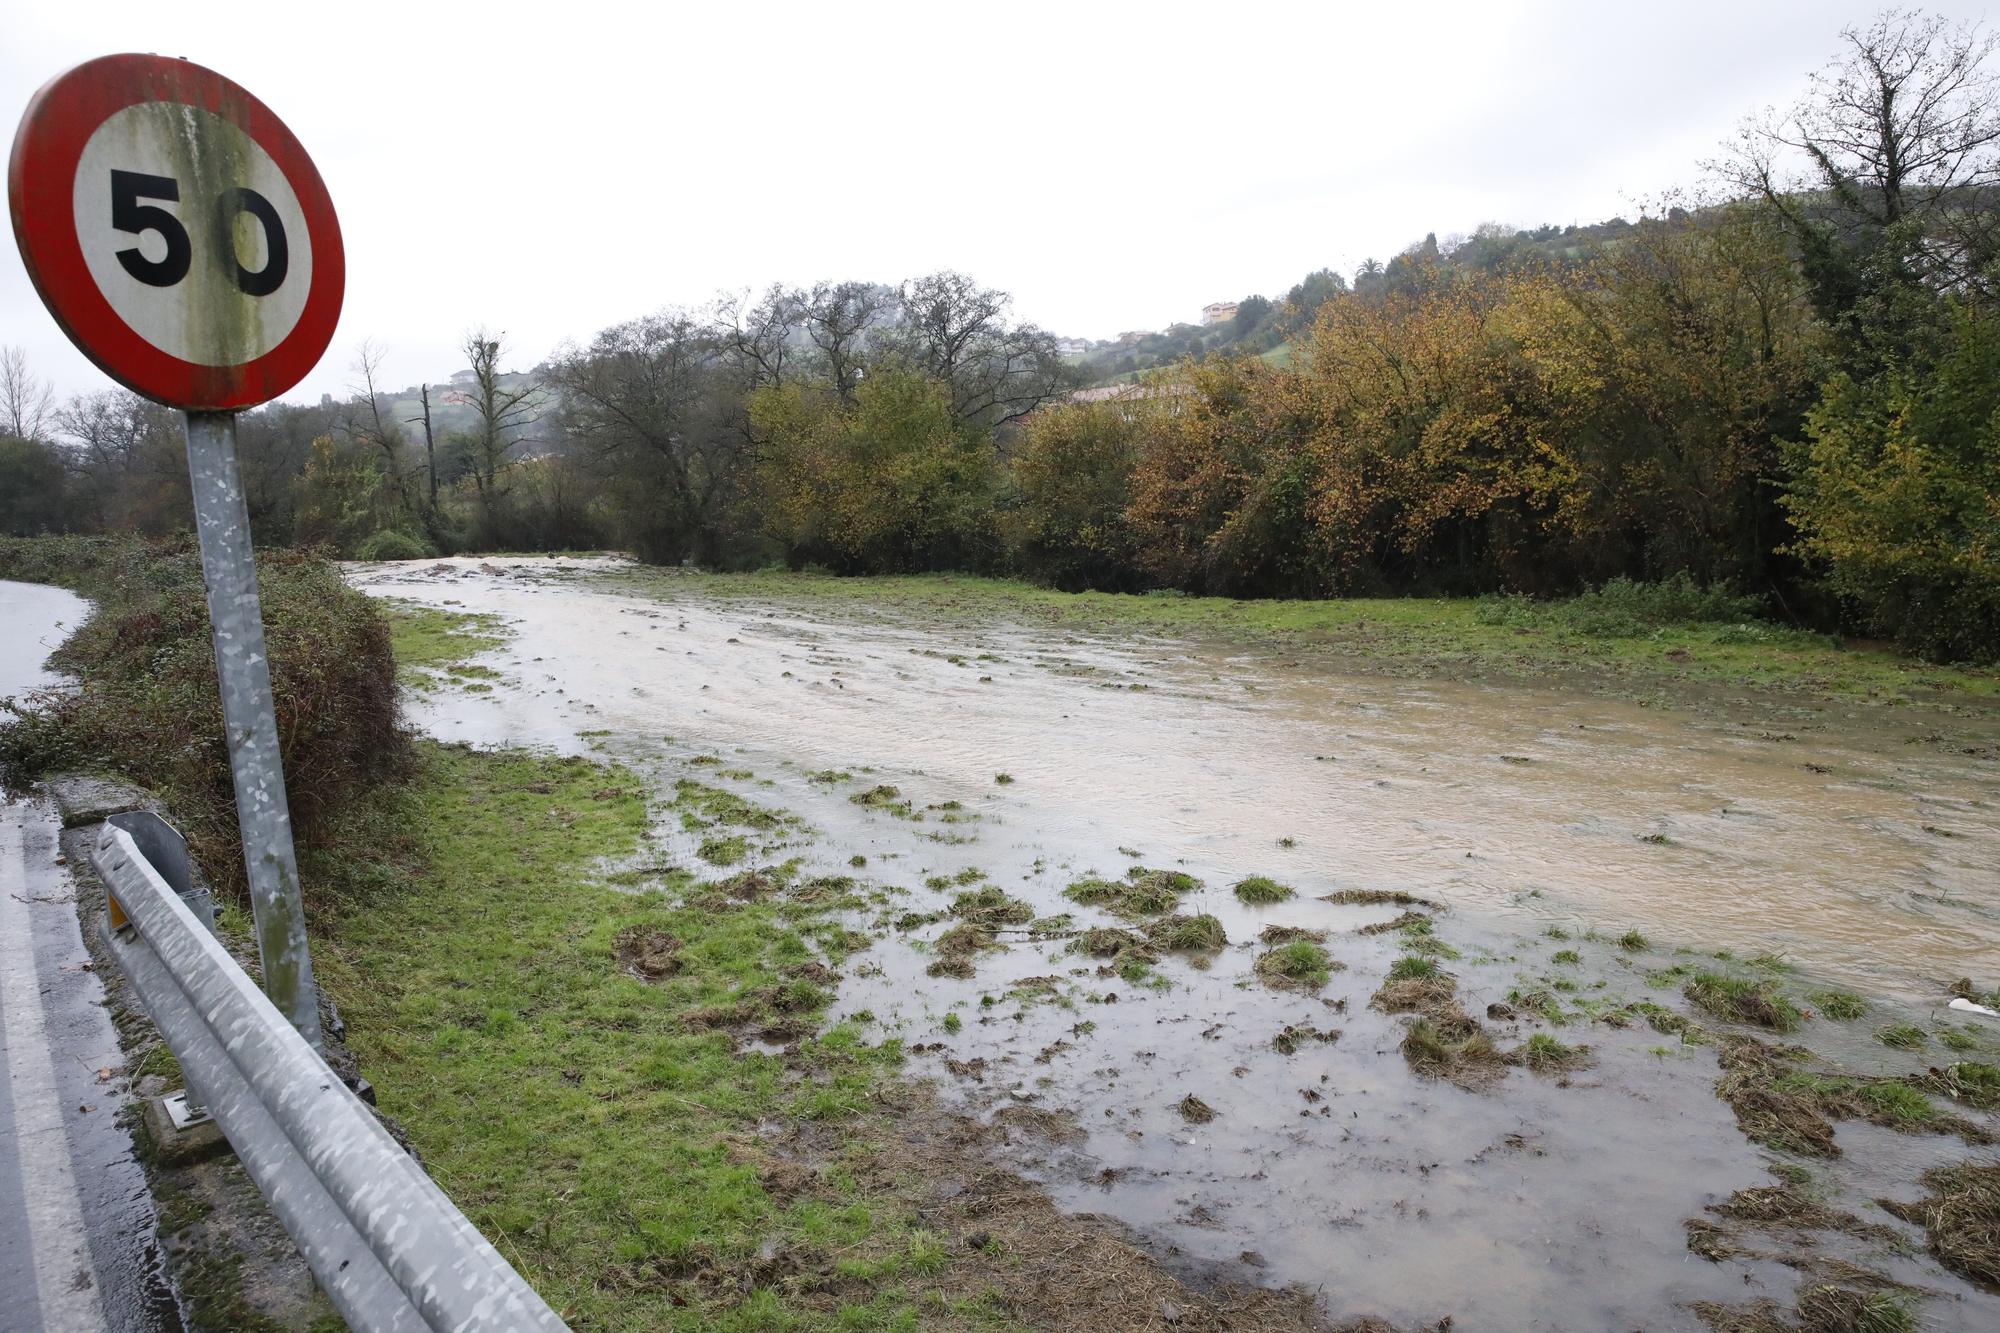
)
(388, 1246)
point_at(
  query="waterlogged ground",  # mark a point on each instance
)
(1273, 1126)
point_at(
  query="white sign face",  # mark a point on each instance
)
(192, 233)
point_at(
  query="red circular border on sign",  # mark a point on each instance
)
(41, 183)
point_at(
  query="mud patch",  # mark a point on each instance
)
(647, 952)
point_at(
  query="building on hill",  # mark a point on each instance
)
(1218, 312)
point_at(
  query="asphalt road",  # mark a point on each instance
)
(77, 1246)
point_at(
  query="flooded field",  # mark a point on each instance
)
(1229, 1069)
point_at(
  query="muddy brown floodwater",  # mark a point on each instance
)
(1553, 1201)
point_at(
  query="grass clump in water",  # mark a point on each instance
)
(991, 906)
(1839, 1005)
(1544, 1054)
(1633, 942)
(1466, 1057)
(1902, 1036)
(1741, 1001)
(887, 798)
(1977, 1085)
(1105, 942)
(1412, 967)
(954, 951)
(1375, 898)
(1258, 890)
(1301, 964)
(1187, 934)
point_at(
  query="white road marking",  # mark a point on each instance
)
(65, 1285)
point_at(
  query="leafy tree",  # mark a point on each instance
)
(890, 482)
(1896, 491)
(343, 497)
(1072, 478)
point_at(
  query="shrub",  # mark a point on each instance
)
(148, 705)
(1625, 608)
(390, 544)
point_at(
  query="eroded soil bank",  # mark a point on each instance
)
(1037, 838)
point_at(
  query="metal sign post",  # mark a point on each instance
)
(229, 569)
(185, 242)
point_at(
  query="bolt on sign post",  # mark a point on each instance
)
(184, 241)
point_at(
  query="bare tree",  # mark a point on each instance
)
(1897, 141)
(956, 331)
(759, 336)
(27, 404)
(842, 319)
(423, 417)
(651, 401)
(503, 412)
(367, 427)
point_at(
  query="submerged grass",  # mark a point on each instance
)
(432, 643)
(1299, 964)
(1738, 1000)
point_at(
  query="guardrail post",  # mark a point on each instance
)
(229, 569)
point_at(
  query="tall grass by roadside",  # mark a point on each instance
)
(145, 705)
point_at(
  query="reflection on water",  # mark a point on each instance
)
(34, 620)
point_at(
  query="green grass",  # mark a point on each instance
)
(590, 1123)
(1742, 1001)
(1188, 934)
(432, 644)
(1258, 890)
(1902, 1036)
(1298, 963)
(1594, 641)
(1840, 1005)
(1412, 968)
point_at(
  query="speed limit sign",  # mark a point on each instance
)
(177, 231)
(181, 237)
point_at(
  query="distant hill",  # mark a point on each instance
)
(1265, 326)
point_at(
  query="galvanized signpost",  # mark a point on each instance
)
(183, 239)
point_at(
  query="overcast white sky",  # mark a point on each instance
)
(554, 168)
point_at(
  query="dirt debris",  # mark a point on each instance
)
(1194, 1110)
(1377, 898)
(1012, 1246)
(1960, 1218)
(1396, 923)
(647, 952)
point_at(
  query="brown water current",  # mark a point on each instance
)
(1552, 1201)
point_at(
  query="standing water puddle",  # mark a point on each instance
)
(1865, 861)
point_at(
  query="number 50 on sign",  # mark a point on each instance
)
(177, 231)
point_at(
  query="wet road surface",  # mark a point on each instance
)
(77, 1247)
